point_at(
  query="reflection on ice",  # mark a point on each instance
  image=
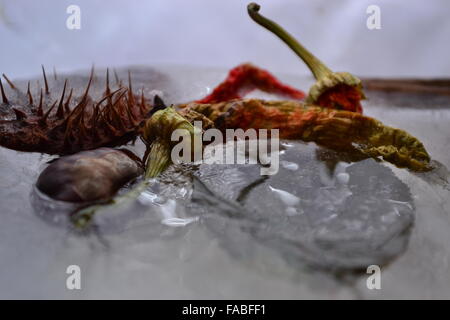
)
(336, 221)
(353, 216)
(288, 198)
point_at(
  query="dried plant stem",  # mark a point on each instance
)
(157, 161)
(317, 67)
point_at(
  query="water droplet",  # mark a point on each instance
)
(289, 165)
(178, 222)
(343, 177)
(288, 198)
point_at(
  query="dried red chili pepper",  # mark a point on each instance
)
(245, 78)
(336, 129)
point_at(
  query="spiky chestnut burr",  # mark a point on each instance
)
(65, 124)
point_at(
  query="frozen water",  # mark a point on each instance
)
(315, 215)
(244, 235)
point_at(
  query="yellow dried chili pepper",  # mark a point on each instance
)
(336, 129)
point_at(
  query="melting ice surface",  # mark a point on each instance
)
(228, 232)
(350, 216)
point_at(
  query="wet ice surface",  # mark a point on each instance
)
(297, 225)
(350, 218)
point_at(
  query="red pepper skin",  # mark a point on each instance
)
(341, 97)
(245, 78)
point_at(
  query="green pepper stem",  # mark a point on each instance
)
(158, 159)
(317, 67)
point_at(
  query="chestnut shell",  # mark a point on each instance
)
(89, 176)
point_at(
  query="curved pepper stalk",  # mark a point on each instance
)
(336, 90)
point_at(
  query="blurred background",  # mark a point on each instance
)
(413, 39)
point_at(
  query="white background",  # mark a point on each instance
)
(413, 41)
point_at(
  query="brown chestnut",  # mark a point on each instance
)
(89, 175)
